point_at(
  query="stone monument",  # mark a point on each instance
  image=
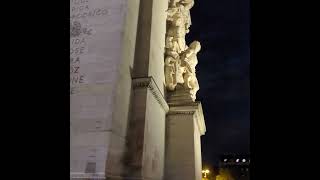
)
(133, 87)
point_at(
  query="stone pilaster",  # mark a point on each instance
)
(144, 158)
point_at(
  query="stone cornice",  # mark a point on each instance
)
(192, 108)
(148, 82)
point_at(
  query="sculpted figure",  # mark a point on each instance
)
(175, 44)
(186, 6)
(169, 71)
(183, 7)
(187, 3)
(189, 61)
(179, 21)
(176, 31)
(173, 73)
(171, 60)
(180, 60)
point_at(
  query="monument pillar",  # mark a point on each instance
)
(144, 156)
(184, 126)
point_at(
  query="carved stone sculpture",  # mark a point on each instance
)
(189, 61)
(187, 5)
(176, 31)
(180, 60)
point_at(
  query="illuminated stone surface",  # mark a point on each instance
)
(180, 60)
(119, 102)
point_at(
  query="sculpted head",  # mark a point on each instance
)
(196, 46)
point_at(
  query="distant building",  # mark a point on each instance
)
(238, 165)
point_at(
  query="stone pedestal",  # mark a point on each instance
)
(184, 126)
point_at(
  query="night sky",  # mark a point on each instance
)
(222, 27)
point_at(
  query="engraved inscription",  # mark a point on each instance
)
(80, 11)
(91, 13)
(76, 29)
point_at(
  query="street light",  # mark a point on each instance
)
(205, 172)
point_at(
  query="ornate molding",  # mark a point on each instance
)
(148, 82)
(74, 176)
(192, 108)
(181, 112)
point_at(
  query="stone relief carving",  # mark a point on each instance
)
(180, 60)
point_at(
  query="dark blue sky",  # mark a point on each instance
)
(222, 27)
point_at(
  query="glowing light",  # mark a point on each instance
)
(225, 160)
(243, 160)
(237, 160)
(205, 172)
